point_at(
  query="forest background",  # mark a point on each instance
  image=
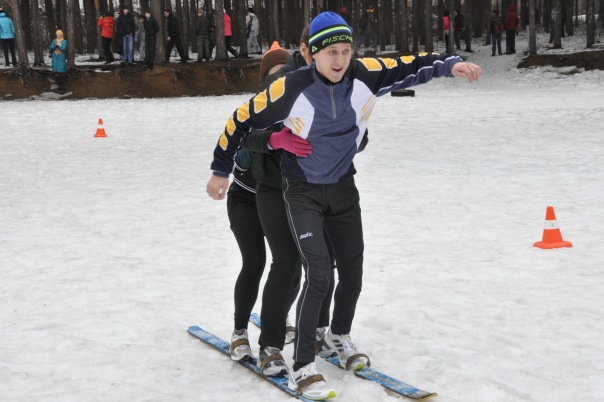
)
(408, 25)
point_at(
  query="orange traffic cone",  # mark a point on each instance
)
(100, 130)
(552, 238)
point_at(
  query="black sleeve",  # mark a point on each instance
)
(364, 141)
(257, 141)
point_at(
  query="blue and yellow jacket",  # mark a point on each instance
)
(332, 117)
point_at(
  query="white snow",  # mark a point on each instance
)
(110, 248)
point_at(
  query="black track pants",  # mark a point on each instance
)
(310, 208)
(283, 281)
(246, 227)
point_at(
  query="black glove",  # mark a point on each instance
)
(56, 47)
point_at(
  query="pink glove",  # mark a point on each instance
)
(290, 142)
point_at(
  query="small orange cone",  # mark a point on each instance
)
(552, 238)
(100, 130)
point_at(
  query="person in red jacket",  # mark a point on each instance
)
(107, 23)
(228, 33)
(511, 23)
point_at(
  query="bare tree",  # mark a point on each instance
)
(241, 28)
(90, 23)
(219, 19)
(590, 23)
(469, 9)
(556, 23)
(402, 37)
(532, 30)
(37, 34)
(429, 40)
(156, 11)
(70, 34)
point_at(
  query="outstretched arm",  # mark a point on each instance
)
(467, 70)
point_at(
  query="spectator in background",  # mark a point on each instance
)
(173, 38)
(139, 37)
(368, 28)
(126, 28)
(7, 37)
(496, 27)
(151, 28)
(511, 23)
(212, 32)
(58, 52)
(459, 26)
(228, 33)
(446, 28)
(344, 14)
(252, 30)
(202, 30)
(107, 23)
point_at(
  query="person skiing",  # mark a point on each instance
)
(327, 106)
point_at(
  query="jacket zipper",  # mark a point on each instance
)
(333, 102)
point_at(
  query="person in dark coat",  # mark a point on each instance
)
(126, 28)
(173, 38)
(459, 26)
(202, 30)
(151, 28)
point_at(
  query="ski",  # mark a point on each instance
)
(389, 383)
(223, 346)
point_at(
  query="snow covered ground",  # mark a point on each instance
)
(110, 248)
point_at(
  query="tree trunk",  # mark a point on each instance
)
(428, 37)
(241, 27)
(90, 18)
(532, 28)
(486, 16)
(157, 12)
(546, 15)
(38, 43)
(193, 14)
(306, 5)
(469, 9)
(79, 32)
(23, 61)
(25, 7)
(402, 27)
(275, 18)
(415, 25)
(61, 15)
(71, 32)
(219, 17)
(51, 19)
(567, 13)
(590, 26)
(556, 23)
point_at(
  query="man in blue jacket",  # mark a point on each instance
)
(7, 37)
(325, 106)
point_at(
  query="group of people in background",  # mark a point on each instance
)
(497, 25)
(126, 36)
